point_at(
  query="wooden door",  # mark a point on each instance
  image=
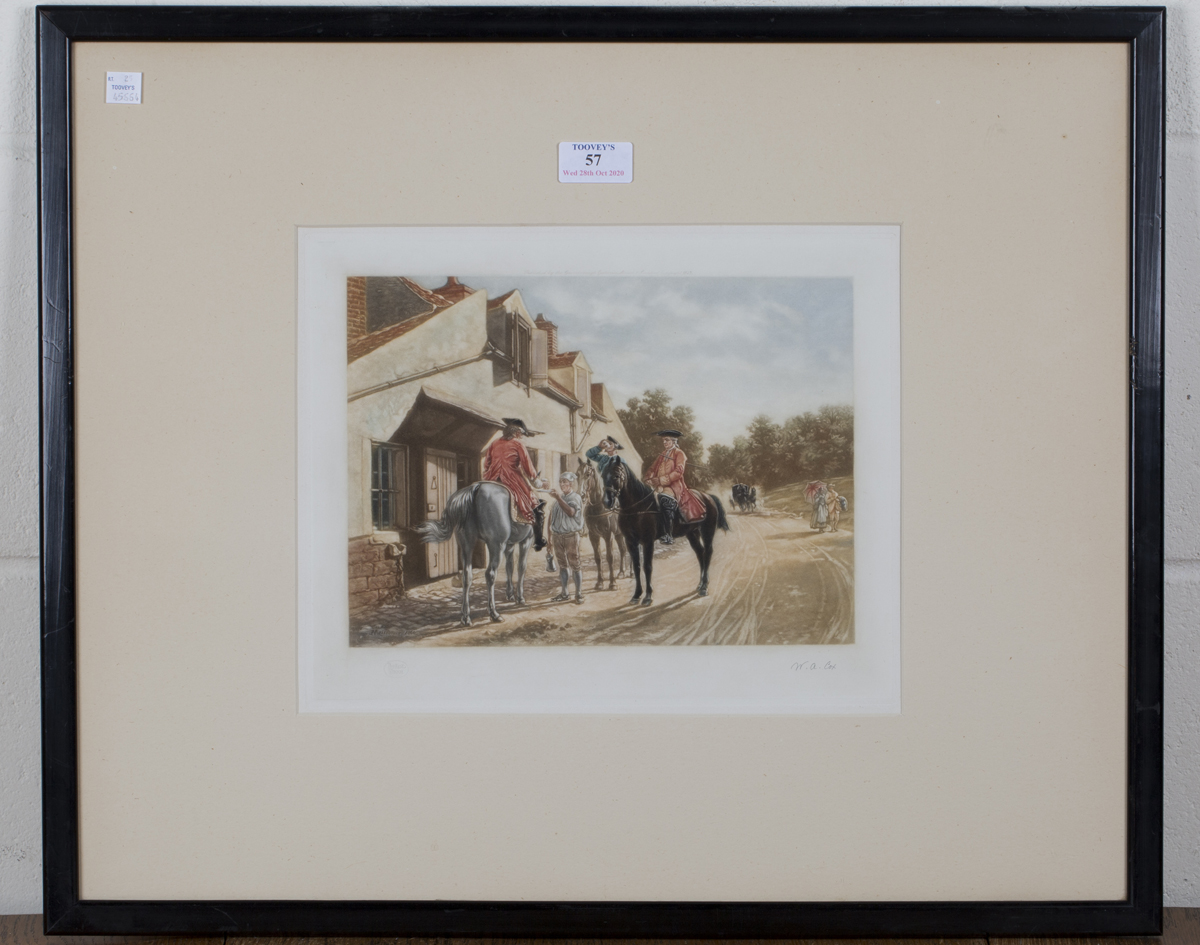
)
(441, 482)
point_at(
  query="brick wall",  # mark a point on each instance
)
(376, 574)
(356, 307)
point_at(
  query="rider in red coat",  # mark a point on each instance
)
(665, 477)
(507, 462)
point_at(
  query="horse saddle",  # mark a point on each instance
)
(699, 497)
(514, 509)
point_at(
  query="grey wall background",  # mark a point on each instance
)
(20, 833)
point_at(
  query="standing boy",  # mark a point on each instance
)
(566, 522)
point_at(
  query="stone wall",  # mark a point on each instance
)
(376, 573)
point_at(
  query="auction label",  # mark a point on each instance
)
(123, 88)
(595, 162)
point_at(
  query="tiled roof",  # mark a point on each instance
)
(433, 298)
(377, 339)
(565, 359)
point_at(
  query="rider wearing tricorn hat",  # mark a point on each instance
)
(604, 453)
(507, 462)
(665, 477)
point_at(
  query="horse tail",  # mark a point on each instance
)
(722, 522)
(456, 512)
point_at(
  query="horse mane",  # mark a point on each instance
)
(639, 489)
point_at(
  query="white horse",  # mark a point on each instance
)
(482, 511)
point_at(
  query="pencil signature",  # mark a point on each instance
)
(812, 665)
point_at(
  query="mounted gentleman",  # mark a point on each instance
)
(604, 453)
(665, 477)
(507, 462)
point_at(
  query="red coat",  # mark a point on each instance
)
(507, 462)
(666, 475)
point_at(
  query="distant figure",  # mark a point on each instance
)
(754, 497)
(507, 462)
(666, 479)
(833, 502)
(566, 522)
(816, 493)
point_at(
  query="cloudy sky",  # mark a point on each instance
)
(729, 348)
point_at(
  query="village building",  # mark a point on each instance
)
(431, 373)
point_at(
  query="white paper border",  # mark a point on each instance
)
(334, 677)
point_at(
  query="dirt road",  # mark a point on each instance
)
(773, 580)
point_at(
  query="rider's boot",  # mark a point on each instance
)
(539, 521)
(666, 518)
(578, 587)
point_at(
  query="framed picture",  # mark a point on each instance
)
(602, 472)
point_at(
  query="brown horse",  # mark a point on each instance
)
(601, 525)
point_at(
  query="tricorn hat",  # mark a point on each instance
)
(616, 445)
(672, 433)
(519, 424)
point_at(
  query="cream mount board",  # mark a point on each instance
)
(1027, 460)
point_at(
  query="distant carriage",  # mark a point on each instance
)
(745, 498)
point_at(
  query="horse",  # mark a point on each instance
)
(741, 496)
(601, 524)
(482, 511)
(638, 518)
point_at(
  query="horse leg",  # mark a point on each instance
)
(466, 551)
(635, 564)
(612, 577)
(508, 572)
(624, 550)
(595, 540)
(495, 549)
(710, 532)
(698, 547)
(648, 567)
(522, 557)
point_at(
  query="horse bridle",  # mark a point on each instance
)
(622, 476)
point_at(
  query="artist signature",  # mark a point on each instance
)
(812, 665)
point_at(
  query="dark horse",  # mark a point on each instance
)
(638, 519)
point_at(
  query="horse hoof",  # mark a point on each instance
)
(702, 592)
(635, 598)
(466, 621)
(648, 601)
(496, 618)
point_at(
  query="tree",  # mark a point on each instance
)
(805, 447)
(766, 463)
(644, 416)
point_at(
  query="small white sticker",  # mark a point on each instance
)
(123, 88)
(595, 162)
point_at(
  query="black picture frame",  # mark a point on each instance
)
(1143, 28)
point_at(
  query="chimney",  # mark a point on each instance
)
(356, 307)
(453, 290)
(551, 331)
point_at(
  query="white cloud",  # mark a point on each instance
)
(730, 348)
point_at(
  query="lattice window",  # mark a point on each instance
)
(389, 486)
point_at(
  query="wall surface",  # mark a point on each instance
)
(20, 841)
